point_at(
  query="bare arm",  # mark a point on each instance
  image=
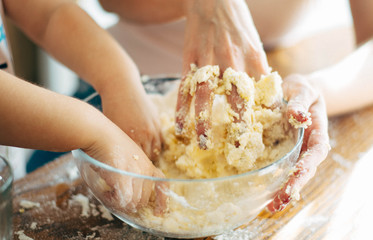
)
(145, 11)
(347, 85)
(72, 37)
(33, 117)
(218, 32)
(362, 13)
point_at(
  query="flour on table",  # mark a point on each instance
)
(26, 204)
(84, 203)
(22, 236)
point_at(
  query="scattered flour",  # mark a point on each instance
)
(94, 211)
(26, 204)
(105, 213)
(84, 202)
(90, 208)
(33, 225)
(239, 234)
(22, 236)
(341, 160)
(314, 222)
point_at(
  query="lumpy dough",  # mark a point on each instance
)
(233, 147)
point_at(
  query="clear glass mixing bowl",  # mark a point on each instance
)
(195, 207)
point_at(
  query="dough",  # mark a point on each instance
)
(263, 136)
(208, 207)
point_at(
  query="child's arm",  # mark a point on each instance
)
(71, 36)
(33, 117)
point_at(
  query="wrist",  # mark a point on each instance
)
(124, 83)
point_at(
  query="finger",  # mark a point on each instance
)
(156, 142)
(146, 192)
(141, 187)
(137, 190)
(304, 171)
(156, 147)
(122, 192)
(300, 97)
(125, 188)
(237, 104)
(280, 201)
(146, 147)
(317, 133)
(316, 148)
(161, 187)
(256, 63)
(182, 108)
(203, 108)
(189, 56)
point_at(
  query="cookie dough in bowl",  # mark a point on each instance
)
(218, 189)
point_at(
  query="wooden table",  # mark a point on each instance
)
(333, 205)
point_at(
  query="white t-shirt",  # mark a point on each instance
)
(158, 48)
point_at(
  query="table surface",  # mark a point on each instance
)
(333, 205)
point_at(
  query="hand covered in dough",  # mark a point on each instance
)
(118, 191)
(218, 32)
(303, 99)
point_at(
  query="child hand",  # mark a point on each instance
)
(130, 108)
(123, 192)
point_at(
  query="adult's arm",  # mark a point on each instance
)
(218, 32)
(146, 11)
(347, 85)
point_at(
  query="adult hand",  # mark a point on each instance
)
(302, 98)
(218, 32)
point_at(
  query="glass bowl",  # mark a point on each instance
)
(195, 207)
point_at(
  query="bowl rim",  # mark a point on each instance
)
(173, 77)
(78, 153)
(9, 181)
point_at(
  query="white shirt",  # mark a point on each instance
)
(158, 48)
(15, 156)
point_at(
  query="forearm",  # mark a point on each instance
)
(222, 32)
(362, 14)
(146, 11)
(33, 117)
(347, 85)
(72, 37)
